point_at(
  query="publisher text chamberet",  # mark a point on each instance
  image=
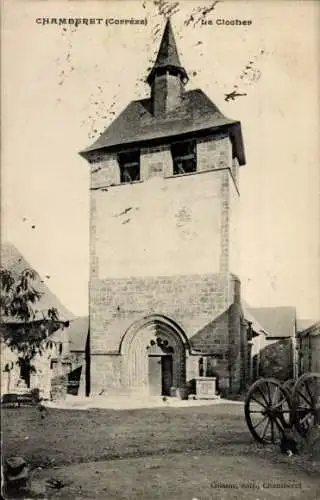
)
(87, 21)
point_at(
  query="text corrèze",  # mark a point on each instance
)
(88, 21)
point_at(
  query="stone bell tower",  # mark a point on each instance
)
(164, 209)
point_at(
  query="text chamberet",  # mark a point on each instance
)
(88, 21)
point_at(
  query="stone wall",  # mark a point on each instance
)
(192, 301)
(258, 344)
(165, 224)
(104, 170)
(309, 352)
(237, 354)
(59, 386)
(156, 162)
(214, 152)
(315, 342)
(231, 223)
(199, 304)
(235, 172)
(305, 354)
(105, 374)
(178, 225)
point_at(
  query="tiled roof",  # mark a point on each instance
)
(12, 260)
(196, 113)
(279, 322)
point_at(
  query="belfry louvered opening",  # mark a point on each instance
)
(129, 164)
(184, 157)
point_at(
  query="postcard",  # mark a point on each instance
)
(160, 298)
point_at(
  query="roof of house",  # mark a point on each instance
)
(279, 322)
(312, 329)
(78, 333)
(255, 325)
(13, 261)
(304, 324)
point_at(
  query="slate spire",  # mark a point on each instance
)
(168, 58)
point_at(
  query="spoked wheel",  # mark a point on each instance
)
(267, 410)
(306, 403)
(289, 385)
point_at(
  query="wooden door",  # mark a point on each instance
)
(166, 369)
(155, 382)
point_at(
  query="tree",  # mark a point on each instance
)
(22, 329)
(276, 360)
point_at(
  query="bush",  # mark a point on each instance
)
(277, 360)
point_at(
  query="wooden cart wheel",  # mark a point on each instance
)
(306, 403)
(289, 385)
(267, 410)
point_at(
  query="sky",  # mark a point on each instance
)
(62, 86)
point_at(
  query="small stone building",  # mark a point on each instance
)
(38, 374)
(165, 301)
(278, 357)
(309, 349)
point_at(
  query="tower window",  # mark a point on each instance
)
(184, 157)
(129, 164)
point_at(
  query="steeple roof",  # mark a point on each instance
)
(168, 57)
(196, 114)
(137, 124)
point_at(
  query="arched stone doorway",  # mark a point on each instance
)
(154, 356)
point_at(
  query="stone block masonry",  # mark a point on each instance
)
(164, 226)
(212, 153)
(200, 304)
(104, 170)
(193, 301)
(156, 162)
(59, 388)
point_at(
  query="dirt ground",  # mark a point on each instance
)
(180, 477)
(171, 453)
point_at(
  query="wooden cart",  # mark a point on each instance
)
(272, 406)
